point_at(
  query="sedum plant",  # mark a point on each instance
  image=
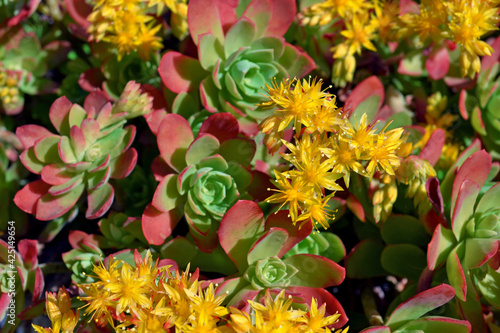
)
(236, 56)
(201, 179)
(92, 146)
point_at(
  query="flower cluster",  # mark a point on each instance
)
(129, 25)
(149, 298)
(329, 147)
(9, 91)
(432, 22)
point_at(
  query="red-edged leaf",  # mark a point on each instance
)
(259, 13)
(438, 63)
(432, 149)
(322, 296)
(39, 285)
(463, 207)
(210, 17)
(78, 141)
(437, 325)
(461, 104)
(166, 196)
(367, 88)
(378, 329)
(27, 198)
(49, 207)
(160, 168)
(419, 305)
(296, 233)
(91, 79)
(456, 274)
(240, 227)
(123, 165)
(157, 226)
(4, 303)
(59, 113)
(223, 126)
(356, 207)
(96, 100)
(475, 168)
(179, 72)
(174, 138)
(478, 251)
(203, 146)
(99, 201)
(55, 174)
(29, 252)
(269, 245)
(439, 247)
(315, 271)
(79, 10)
(434, 194)
(154, 119)
(29, 134)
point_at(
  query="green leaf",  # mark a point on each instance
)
(238, 150)
(241, 34)
(167, 196)
(203, 146)
(436, 325)
(179, 249)
(364, 260)
(269, 245)
(405, 260)
(314, 271)
(401, 229)
(210, 50)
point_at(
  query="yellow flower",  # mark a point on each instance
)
(205, 305)
(99, 301)
(317, 212)
(359, 33)
(384, 198)
(383, 154)
(315, 320)
(130, 290)
(59, 311)
(344, 158)
(275, 313)
(293, 192)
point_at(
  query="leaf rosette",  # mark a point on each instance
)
(238, 55)
(270, 273)
(93, 146)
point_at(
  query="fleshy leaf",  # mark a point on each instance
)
(59, 114)
(401, 229)
(441, 244)
(210, 51)
(124, 164)
(489, 201)
(157, 226)
(269, 245)
(203, 146)
(240, 227)
(464, 207)
(47, 150)
(239, 150)
(432, 149)
(27, 198)
(377, 329)
(222, 125)
(99, 201)
(405, 260)
(367, 98)
(180, 73)
(295, 232)
(29, 134)
(475, 168)
(478, 251)
(456, 274)
(241, 34)
(49, 207)
(209, 17)
(437, 325)
(438, 63)
(419, 305)
(315, 271)
(174, 137)
(364, 260)
(167, 196)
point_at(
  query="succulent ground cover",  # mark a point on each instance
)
(249, 166)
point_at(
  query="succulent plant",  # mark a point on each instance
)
(409, 315)
(202, 177)
(480, 105)
(20, 273)
(23, 64)
(325, 244)
(466, 244)
(85, 254)
(121, 231)
(14, 12)
(92, 146)
(237, 56)
(256, 246)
